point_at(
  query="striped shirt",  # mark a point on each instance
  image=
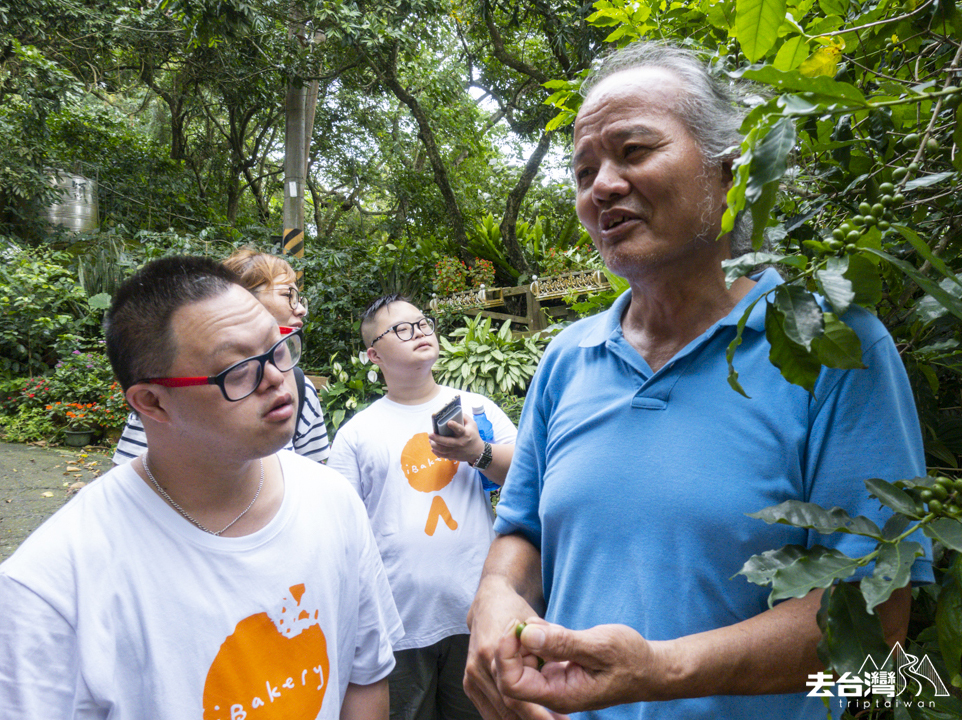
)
(310, 437)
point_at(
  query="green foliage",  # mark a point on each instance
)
(450, 276)
(79, 392)
(352, 386)
(484, 361)
(544, 243)
(851, 629)
(511, 404)
(40, 304)
(599, 302)
(80, 377)
(28, 425)
(338, 283)
(554, 262)
(482, 273)
(864, 100)
(31, 88)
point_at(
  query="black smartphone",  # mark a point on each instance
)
(451, 411)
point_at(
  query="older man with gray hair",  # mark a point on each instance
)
(623, 518)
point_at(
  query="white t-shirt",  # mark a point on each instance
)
(118, 607)
(431, 517)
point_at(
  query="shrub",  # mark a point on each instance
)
(483, 361)
(352, 386)
(450, 276)
(482, 274)
(40, 303)
(553, 262)
(80, 377)
(73, 416)
(28, 425)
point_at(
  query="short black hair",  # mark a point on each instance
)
(137, 327)
(367, 317)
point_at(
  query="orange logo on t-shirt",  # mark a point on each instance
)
(426, 472)
(277, 666)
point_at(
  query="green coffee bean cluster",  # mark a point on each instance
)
(944, 498)
(846, 236)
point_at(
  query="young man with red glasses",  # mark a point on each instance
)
(216, 574)
(431, 515)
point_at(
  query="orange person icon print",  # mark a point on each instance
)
(426, 472)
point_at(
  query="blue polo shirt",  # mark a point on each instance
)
(635, 484)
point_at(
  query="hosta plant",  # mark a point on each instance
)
(482, 360)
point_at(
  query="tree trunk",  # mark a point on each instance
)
(509, 223)
(388, 76)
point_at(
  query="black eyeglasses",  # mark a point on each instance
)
(294, 298)
(405, 330)
(242, 379)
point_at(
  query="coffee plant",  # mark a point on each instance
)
(850, 170)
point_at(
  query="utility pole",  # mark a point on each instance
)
(300, 106)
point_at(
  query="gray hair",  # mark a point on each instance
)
(712, 110)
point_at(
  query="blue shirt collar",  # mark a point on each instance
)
(609, 323)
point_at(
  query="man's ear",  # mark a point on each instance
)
(373, 356)
(146, 399)
(728, 174)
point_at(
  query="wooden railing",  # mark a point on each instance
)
(539, 310)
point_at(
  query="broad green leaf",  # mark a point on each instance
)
(760, 569)
(797, 365)
(892, 497)
(808, 515)
(823, 61)
(950, 303)
(923, 249)
(839, 346)
(791, 54)
(761, 211)
(100, 301)
(793, 104)
(803, 316)
(770, 157)
(928, 180)
(833, 7)
(756, 25)
(892, 571)
(813, 571)
(733, 346)
(895, 526)
(928, 308)
(735, 198)
(824, 88)
(836, 288)
(849, 633)
(606, 17)
(947, 531)
(948, 618)
(744, 264)
(865, 281)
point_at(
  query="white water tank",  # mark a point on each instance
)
(77, 207)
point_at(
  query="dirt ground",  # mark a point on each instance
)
(35, 481)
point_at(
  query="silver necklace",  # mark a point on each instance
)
(186, 514)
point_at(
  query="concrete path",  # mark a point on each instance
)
(36, 481)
